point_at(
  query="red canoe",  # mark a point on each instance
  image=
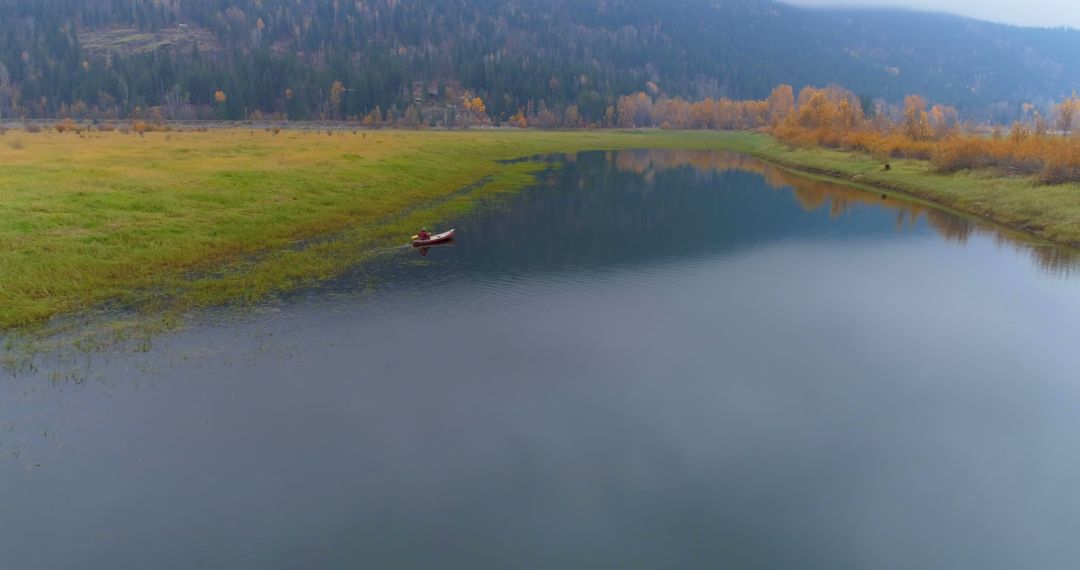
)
(436, 238)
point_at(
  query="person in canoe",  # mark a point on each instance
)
(427, 238)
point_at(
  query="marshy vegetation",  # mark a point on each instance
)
(192, 218)
(176, 218)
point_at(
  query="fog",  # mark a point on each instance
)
(1047, 13)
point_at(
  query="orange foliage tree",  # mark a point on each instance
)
(519, 120)
(781, 104)
(1066, 113)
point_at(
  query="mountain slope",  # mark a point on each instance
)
(107, 57)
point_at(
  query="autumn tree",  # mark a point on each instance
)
(374, 118)
(754, 114)
(702, 114)
(220, 98)
(1066, 113)
(476, 109)
(781, 104)
(916, 120)
(337, 95)
(815, 111)
(572, 118)
(519, 120)
(1039, 125)
(544, 117)
(849, 113)
(1018, 133)
(673, 113)
(474, 104)
(635, 110)
(67, 125)
(942, 120)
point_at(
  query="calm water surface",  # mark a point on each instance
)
(649, 360)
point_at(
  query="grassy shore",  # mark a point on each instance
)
(197, 218)
(1051, 212)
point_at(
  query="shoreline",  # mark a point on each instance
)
(295, 208)
(1049, 213)
(184, 219)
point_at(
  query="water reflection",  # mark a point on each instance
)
(649, 360)
(603, 211)
(423, 251)
(814, 194)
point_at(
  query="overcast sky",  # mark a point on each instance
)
(1019, 12)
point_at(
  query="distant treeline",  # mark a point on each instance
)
(548, 62)
(834, 117)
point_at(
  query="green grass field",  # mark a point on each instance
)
(196, 218)
(183, 219)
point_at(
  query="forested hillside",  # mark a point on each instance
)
(473, 59)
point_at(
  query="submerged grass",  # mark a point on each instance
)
(200, 218)
(188, 219)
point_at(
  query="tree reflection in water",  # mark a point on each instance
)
(814, 194)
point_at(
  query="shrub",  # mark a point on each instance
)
(1026, 149)
(16, 144)
(1028, 155)
(1062, 163)
(67, 125)
(32, 128)
(961, 153)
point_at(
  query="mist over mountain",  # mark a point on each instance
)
(1040, 13)
(231, 59)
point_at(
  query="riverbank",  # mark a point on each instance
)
(181, 219)
(185, 219)
(1050, 212)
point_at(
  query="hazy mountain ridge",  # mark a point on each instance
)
(281, 56)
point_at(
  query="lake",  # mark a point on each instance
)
(650, 359)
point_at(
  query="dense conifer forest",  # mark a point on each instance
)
(475, 61)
